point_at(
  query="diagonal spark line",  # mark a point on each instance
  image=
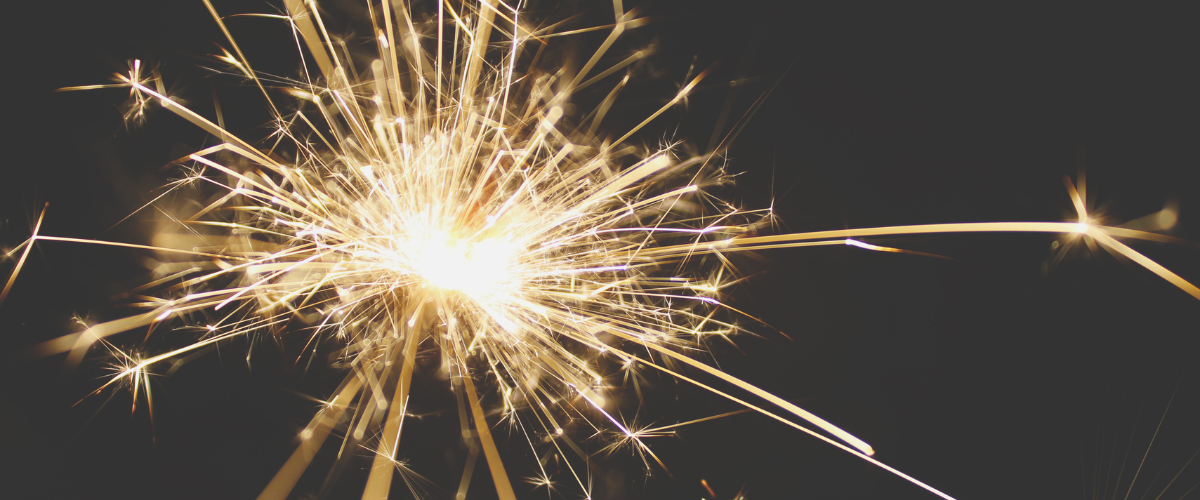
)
(1152, 438)
(24, 254)
(312, 438)
(776, 400)
(499, 476)
(1145, 262)
(380, 478)
(698, 420)
(806, 430)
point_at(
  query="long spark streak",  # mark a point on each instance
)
(458, 202)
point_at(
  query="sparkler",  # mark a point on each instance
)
(441, 195)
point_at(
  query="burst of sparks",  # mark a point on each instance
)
(439, 195)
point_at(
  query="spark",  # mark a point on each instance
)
(442, 195)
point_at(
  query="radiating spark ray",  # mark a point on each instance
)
(687, 89)
(1152, 438)
(1172, 481)
(1146, 262)
(380, 478)
(311, 439)
(803, 429)
(499, 476)
(776, 400)
(468, 471)
(698, 420)
(24, 254)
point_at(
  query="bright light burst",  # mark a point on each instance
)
(443, 195)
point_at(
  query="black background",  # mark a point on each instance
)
(987, 376)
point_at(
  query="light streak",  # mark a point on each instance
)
(455, 202)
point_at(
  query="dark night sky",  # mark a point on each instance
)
(988, 376)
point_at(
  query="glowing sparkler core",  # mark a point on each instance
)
(475, 269)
